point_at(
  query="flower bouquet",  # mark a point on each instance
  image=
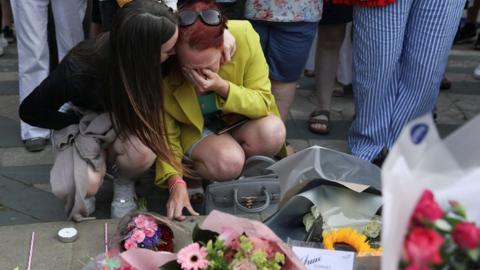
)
(364, 240)
(142, 241)
(228, 242)
(423, 174)
(440, 239)
(145, 231)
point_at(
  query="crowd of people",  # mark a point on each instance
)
(166, 73)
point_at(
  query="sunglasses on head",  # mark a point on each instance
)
(212, 17)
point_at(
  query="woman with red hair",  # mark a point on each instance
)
(205, 91)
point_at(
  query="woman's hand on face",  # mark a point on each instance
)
(177, 201)
(229, 47)
(206, 80)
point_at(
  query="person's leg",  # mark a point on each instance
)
(33, 59)
(469, 29)
(132, 158)
(284, 93)
(430, 31)
(68, 16)
(7, 21)
(310, 65)
(472, 12)
(289, 44)
(377, 43)
(326, 64)
(264, 136)
(218, 158)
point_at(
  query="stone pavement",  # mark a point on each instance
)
(25, 195)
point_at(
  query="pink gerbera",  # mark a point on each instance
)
(193, 257)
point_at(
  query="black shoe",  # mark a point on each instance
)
(466, 33)
(445, 84)
(35, 144)
(8, 34)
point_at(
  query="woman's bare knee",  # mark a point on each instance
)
(266, 137)
(226, 165)
(132, 157)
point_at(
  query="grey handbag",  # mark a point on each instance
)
(250, 195)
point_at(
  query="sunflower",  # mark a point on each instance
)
(350, 237)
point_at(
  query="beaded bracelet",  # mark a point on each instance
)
(177, 181)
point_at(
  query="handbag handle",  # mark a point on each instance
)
(252, 210)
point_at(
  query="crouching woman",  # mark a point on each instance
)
(206, 89)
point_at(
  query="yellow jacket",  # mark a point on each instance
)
(249, 95)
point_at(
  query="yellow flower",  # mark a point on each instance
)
(350, 237)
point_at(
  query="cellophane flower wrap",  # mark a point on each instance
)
(224, 241)
(144, 230)
(150, 249)
(426, 179)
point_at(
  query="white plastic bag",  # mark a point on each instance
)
(421, 160)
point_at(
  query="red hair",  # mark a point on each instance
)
(200, 36)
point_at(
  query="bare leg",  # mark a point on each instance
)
(263, 136)
(330, 38)
(131, 156)
(218, 158)
(284, 93)
(7, 18)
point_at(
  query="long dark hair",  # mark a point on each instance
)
(131, 56)
(135, 98)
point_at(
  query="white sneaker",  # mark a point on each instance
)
(123, 197)
(90, 204)
(476, 73)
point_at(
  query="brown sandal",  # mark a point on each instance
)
(314, 120)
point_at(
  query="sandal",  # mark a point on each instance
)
(315, 120)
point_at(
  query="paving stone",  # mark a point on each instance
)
(8, 76)
(9, 107)
(9, 87)
(469, 103)
(18, 156)
(11, 217)
(298, 144)
(9, 65)
(28, 175)
(30, 201)
(10, 133)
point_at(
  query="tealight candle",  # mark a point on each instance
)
(67, 235)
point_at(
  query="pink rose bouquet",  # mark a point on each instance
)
(440, 239)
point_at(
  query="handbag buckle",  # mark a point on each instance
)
(249, 201)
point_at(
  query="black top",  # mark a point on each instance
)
(71, 82)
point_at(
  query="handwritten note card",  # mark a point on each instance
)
(315, 258)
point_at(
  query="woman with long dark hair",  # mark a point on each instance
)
(120, 73)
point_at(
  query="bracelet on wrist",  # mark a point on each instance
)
(178, 181)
